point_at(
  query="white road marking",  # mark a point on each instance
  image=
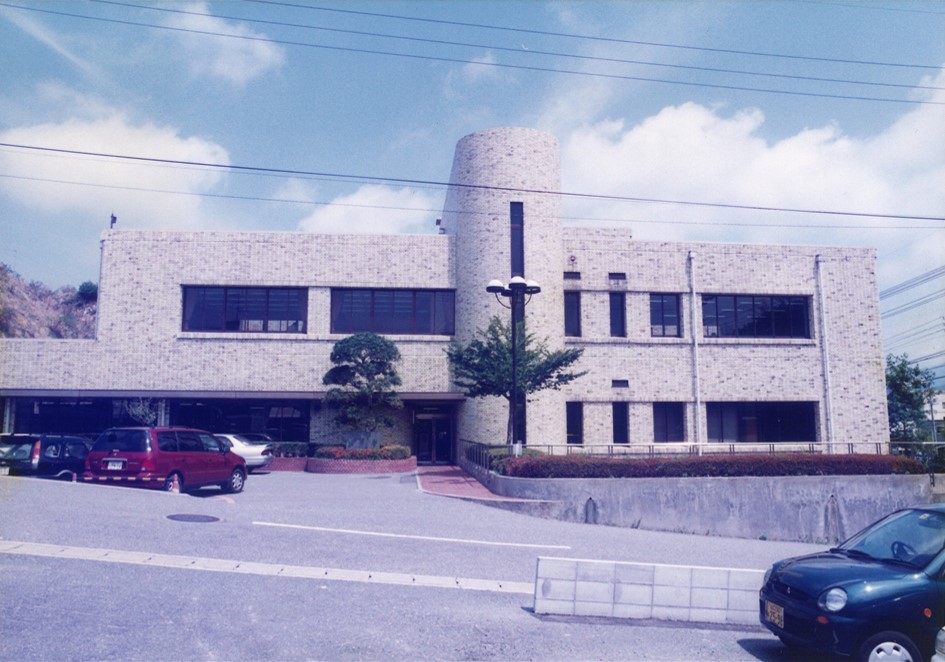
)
(256, 568)
(412, 537)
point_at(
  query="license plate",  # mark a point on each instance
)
(4, 471)
(774, 613)
(115, 465)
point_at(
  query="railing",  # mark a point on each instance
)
(485, 455)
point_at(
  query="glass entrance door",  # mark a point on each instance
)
(434, 439)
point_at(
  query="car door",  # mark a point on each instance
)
(193, 458)
(218, 469)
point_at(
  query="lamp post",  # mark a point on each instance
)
(516, 292)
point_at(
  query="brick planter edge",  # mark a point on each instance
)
(324, 466)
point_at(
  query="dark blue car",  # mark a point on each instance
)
(878, 596)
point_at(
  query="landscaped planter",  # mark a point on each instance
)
(287, 464)
(317, 465)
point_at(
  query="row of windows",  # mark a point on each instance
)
(723, 316)
(726, 422)
(432, 312)
(285, 309)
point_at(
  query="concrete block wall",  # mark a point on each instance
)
(575, 587)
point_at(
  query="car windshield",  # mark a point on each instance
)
(911, 537)
(16, 451)
(126, 441)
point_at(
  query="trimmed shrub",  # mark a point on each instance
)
(788, 464)
(386, 452)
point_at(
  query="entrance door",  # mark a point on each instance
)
(434, 439)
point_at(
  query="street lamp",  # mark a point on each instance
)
(517, 289)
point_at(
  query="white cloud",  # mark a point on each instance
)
(86, 187)
(694, 153)
(237, 59)
(376, 209)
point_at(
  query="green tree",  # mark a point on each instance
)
(484, 366)
(362, 380)
(87, 292)
(908, 393)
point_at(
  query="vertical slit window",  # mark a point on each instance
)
(572, 314)
(618, 314)
(575, 422)
(621, 420)
(517, 218)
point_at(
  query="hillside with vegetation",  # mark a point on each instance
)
(32, 310)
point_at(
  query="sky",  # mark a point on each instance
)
(802, 122)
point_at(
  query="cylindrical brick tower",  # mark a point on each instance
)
(491, 170)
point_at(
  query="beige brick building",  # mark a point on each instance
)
(684, 344)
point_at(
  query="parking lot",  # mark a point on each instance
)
(304, 566)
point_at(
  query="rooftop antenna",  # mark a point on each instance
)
(114, 220)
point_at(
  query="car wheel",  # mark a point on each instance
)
(889, 646)
(172, 480)
(236, 482)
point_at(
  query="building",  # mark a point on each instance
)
(699, 343)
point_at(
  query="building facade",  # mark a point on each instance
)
(684, 343)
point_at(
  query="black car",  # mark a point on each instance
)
(878, 596)
(52, 455)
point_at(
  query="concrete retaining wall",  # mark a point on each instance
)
(815, 509)
(576, 587)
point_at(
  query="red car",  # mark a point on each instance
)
(164, 458)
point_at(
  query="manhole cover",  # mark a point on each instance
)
(193, 518)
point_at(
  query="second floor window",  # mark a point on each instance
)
(753, 316)
(618, 314)
(420, 312)
(245, 309)
(572, 313)
(664, 316)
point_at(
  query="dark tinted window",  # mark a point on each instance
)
(167, 441)
(421, 312)
(575, 422)
(755, 316)
(210, 443)
(761, 422)
(572, 313)
(621, 416)
(668, 422)
(189, 442)
(127, 441)
(664, 315)
(517, 236)
(245, 309)
(618, 314)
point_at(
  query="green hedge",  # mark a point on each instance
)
(788, 464)
(386, 452)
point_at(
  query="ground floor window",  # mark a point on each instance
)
(575, 422)
(621, 418)
(669, 422)
(283, 420)
(761, 422)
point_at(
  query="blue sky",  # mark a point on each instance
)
(812, 105)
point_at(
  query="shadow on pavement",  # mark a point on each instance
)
(769, 649)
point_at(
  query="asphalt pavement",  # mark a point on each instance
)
(306, 566)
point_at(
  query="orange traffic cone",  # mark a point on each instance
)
(73, 477)
(175, 484)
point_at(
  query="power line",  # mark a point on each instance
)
(518, 51)
(400, 180)
(501, 65)
(912, 282)
(940, 294)
(596, 37)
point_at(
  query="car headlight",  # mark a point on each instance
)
(833, 600)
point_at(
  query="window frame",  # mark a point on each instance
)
(618, 314)
(664, 425)
(572, 313)
(439, 311)
(574, 423)
(620, 415)
(243, 309)
(774, 316)
(660, 314)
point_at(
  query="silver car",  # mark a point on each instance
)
(256, 449)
